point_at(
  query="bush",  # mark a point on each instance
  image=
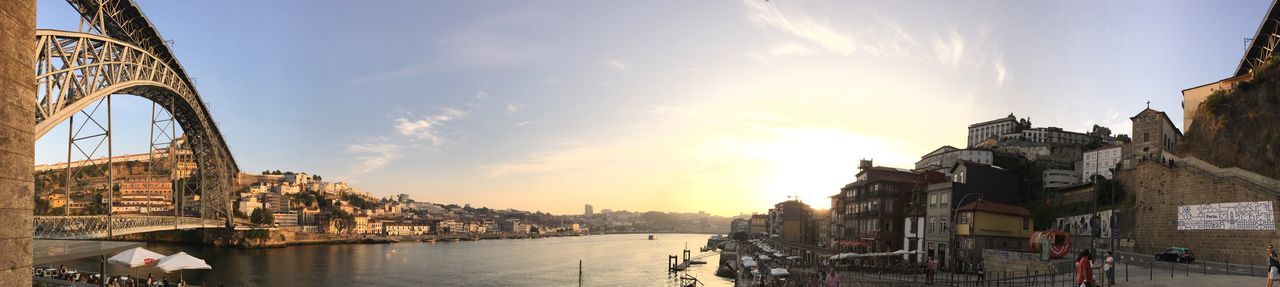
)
(257, 234)
(1216, 102)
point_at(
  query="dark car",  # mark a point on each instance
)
(1176, 254)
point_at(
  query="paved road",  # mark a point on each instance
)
(1163, 268)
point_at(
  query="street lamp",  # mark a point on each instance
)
(955, 210)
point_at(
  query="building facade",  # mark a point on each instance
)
(759, 223)
(969, 182)
(943, 158)
(1059, 178)
(1153, 133)
(144, 194)
(874, 206)
(1101, 161)
(792, 221)
(994, 128)
(985, 225)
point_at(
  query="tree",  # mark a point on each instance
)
(342, 220)
(262, 217)
(740, 236)
(42, 206)
(533, 229)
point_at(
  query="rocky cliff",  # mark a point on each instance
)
(1239, 127)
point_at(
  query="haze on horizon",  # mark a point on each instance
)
(717, 106)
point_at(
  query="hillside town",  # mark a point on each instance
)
(1019, 197)
(308, 203)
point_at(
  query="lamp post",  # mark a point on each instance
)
(955, 210)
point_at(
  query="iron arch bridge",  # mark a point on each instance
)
(121, 53)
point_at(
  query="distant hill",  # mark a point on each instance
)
(1239, 127)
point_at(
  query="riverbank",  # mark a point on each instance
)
(607, 260)
(284, 237)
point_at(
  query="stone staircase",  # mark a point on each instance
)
(1234, 174)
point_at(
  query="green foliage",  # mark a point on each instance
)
(262, 217)
(1266, 66)
(1106, 190)
(1216, 102)
(740, 236)
(342, 220)
(257, 234)
(42, 206)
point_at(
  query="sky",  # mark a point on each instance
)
(719, 106)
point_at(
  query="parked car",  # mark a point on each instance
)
(1176, 254)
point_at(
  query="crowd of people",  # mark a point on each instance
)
(1084, 270)
(62, 273)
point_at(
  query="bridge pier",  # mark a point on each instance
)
(17, 142)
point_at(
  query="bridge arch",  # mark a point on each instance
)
(75, 70)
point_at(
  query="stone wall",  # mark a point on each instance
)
(1158, 190)
(1019, 262)
(17, 146)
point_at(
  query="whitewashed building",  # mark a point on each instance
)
(1101, 161)
(1058, 178)
(993, 128)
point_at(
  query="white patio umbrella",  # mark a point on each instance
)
(779, 272)
(135, 257)
(181, 261)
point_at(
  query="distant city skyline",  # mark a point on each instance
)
(722, 106)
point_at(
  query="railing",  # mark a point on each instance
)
(1244, 177)
(97, 226)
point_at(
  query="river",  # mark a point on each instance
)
(607, 260)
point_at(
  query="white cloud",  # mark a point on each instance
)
(1001, 73)
(374, 155)
(872, 35)
(617, 64)
(513, 108)
(482, 95)
(790, 49)
(950, 50)
(523, 123)
(803, 26)
(426, 128)
(758, 57)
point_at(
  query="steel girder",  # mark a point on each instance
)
(96, 226)
(73, 70)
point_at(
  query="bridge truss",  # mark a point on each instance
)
(118, 51)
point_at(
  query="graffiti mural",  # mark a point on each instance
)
(1256, 215)
(1083, 225)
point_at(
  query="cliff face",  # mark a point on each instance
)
(1239, 127)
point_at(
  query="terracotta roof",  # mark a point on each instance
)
(995, 207)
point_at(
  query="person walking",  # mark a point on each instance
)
(1273, 263)
(1084, 270)
(1109, 270)
(930, 269)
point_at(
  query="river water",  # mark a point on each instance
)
(607, 260)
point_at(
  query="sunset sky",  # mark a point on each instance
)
(718, 106)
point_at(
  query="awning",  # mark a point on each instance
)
(45, 251)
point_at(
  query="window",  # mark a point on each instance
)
(1146, 137)
(1026, 223)
(933, 198)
